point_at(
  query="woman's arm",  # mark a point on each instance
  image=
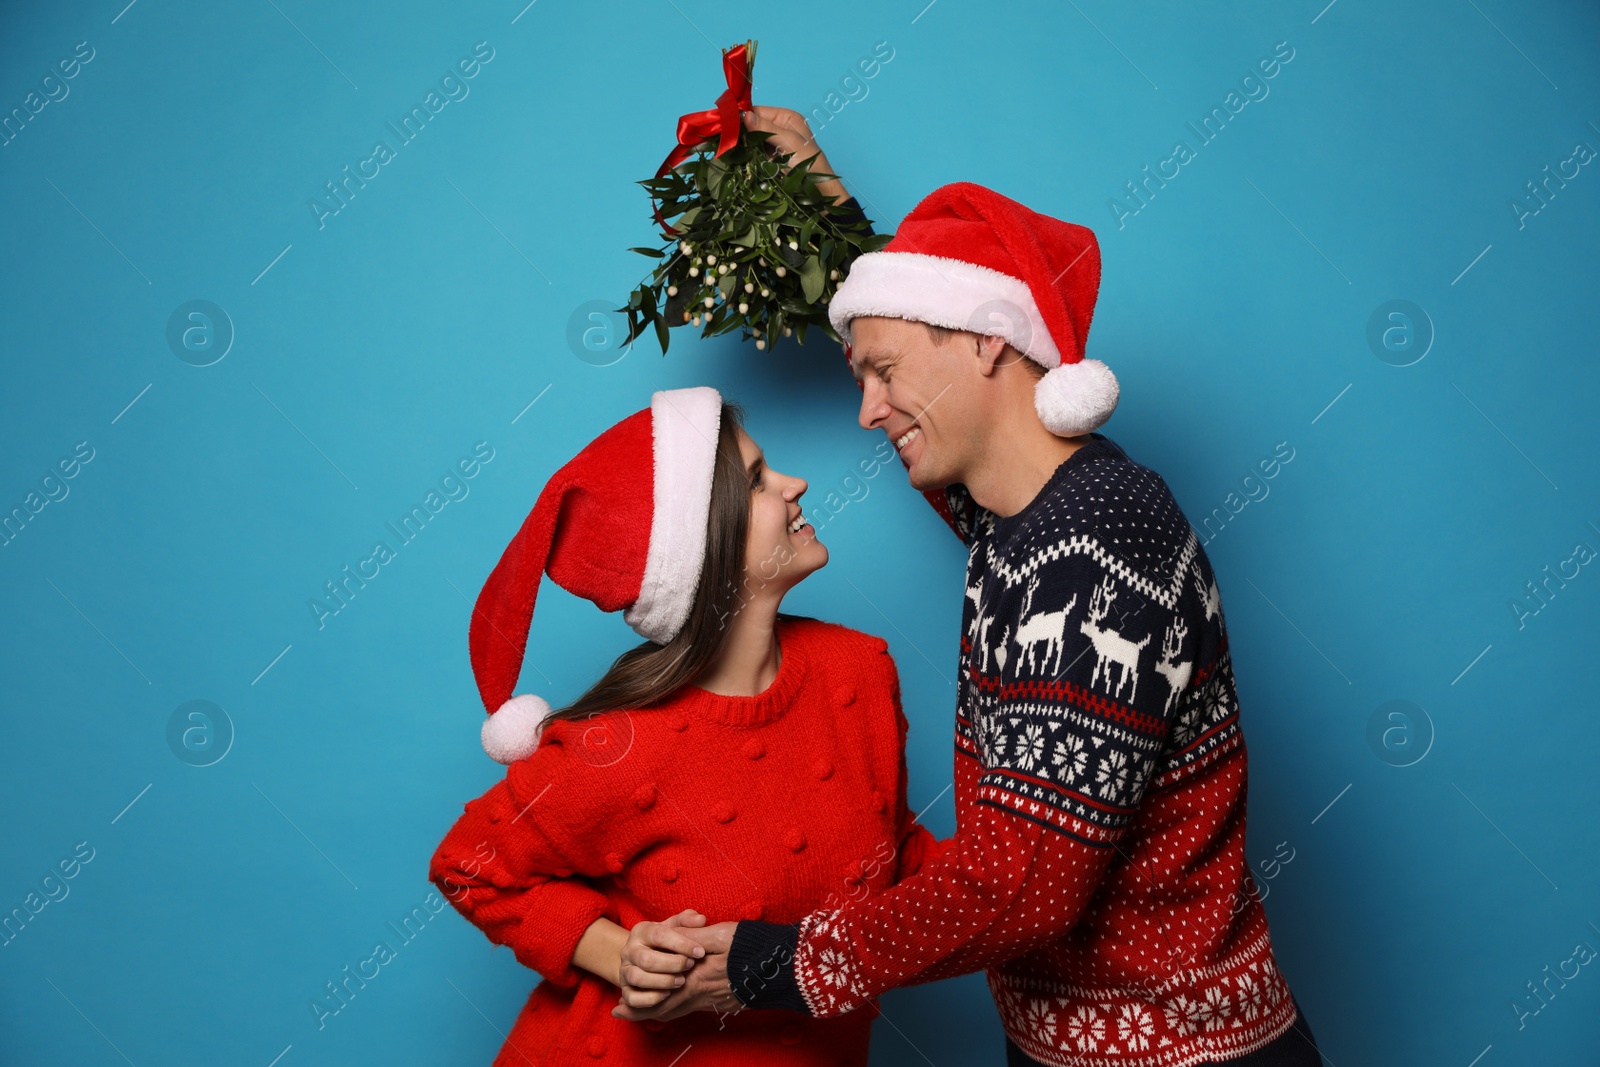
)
(506, 884)
(599, 950)
(516, 865)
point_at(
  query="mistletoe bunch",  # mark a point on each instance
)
(752, 248)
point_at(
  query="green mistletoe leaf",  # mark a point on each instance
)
(811, 278)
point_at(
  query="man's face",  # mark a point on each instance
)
(912, 391)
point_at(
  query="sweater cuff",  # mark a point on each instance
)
(561, 913)
(761, 965)
(849, 210)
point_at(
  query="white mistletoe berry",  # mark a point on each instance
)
(794, 244)
(694, 272)
(833, 275)
(788, 331)
(710, 302)
(695, 320)
(722, 268)
(711, 260)
(744, 309)
(781, 272)
(766, 292)
(672, 290)
(760, 343)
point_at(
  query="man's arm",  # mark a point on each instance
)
(1061, 759)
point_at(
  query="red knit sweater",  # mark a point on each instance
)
(753, 807)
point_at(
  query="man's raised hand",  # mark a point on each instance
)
(792, 136)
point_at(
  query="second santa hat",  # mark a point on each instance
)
(622, 524)
(968, 258)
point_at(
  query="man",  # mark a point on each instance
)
(1098, 872)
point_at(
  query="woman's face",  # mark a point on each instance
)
(778, 553)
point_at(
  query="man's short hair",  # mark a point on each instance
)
(940, 334)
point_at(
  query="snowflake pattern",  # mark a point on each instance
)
(989, 739)
(1123, 1030)
(1135, 1027)
(1214, 1012)
(1183, 1015)
(1187, 725)
(1112, 777)
(1141, 768)
(1249, 998)
(1030, 746)
(1085, 1029)
(831, 965)
(1040, 1021)
(1070, 759)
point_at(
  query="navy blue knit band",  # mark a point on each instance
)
(761, 965)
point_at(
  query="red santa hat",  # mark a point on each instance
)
(968, 258)
(623, 524)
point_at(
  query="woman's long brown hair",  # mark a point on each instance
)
(648, 673)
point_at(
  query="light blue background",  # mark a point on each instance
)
(434, 308)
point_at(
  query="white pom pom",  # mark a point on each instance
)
(512, 733)
(1075, 398)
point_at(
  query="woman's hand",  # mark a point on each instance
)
(704, 988)
(655, 956)
(791, 136)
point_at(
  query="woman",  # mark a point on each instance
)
(741, 759)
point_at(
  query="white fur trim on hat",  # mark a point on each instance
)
(1075, 398)
(685, 424)
(1071, 399)
(945, 292)
(512, 733)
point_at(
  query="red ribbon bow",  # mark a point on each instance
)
(723, 121)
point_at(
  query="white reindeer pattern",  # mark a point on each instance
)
(1111, 647)
(983, 643)
(1209, 594)
(1047, 628)
(1176, 674)
(974, 594)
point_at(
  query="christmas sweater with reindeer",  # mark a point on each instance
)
(1097, 873)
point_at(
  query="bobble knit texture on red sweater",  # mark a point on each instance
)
(1098, 870)
(759, 807)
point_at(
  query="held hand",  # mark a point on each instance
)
(792, 136)
(656, 955)
(706, 988)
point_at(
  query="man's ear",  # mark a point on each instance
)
(991, 354)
